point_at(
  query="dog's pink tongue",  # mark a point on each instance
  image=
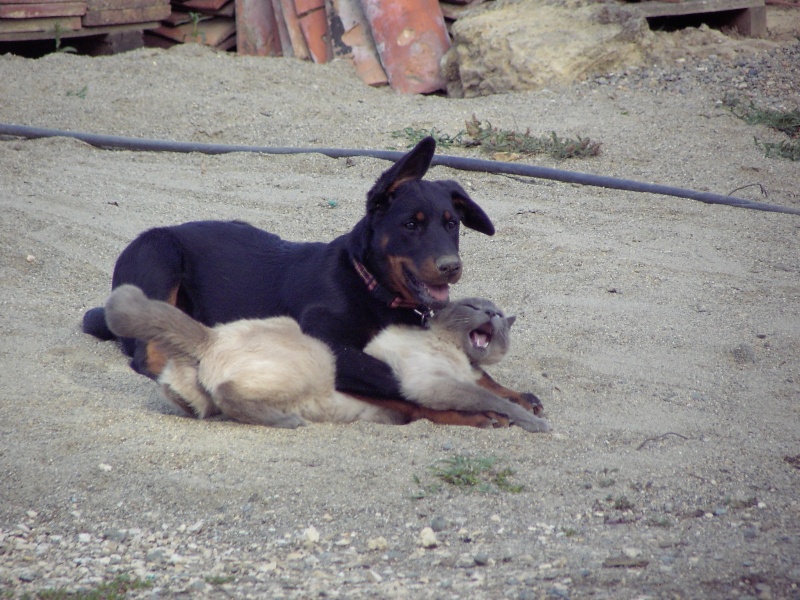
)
(439, 292)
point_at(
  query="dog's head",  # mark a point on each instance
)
(413, 229)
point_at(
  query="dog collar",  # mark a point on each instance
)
(391, 300)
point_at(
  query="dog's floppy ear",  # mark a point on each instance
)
(471, 214)
(411, 167)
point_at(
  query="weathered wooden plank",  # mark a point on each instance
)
(692, 7)
(256, 28)
(122, 4)
(47, 9)
(211, 33)
(749, 17)
(204, 6)
(454, 10)
(49, 34)
(46, 24)
(2, 2)
(126, 15)
(751, 22)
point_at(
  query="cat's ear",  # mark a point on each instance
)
(511, 320)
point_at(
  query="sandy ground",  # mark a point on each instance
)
(662, 334)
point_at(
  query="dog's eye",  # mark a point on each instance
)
(450, 225)
(411, 225)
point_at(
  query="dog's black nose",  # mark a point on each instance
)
(449, 265)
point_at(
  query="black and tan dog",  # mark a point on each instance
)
(394, 266)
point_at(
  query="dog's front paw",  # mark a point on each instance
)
(499, 421)
(531, 403)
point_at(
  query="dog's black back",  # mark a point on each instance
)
(396, 262)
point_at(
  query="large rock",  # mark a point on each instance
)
(532, 44)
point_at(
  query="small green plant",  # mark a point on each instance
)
(475, 473)
(196, 17)
(785, 121)
(786, 149)
(219, 579)
(622, 503)
(414, 136)
(740, 502)
(81, 93)
(425, 490)
(116, 589)
(495, 140)
(660, 521)
(58, 31)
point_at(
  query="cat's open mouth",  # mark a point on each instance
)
(481, 337)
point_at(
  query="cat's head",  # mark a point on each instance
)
(480, 327)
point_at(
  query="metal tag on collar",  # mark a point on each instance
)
(425, 314)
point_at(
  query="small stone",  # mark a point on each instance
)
(154, 555)
(311, 535)
(373, 577)
(30, 258)
(625, 562)
(115, 535)
(743, 354)
(104, 467)
(750, 533)
(198, 585)
(632, 552)
(465, 562)
(27, 575)
(427, 538)
(84, 538)
(196, 527)
(481, 559)
(32, 514)
(378, 543)
(438, 524)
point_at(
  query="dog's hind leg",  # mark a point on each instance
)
(159, 251)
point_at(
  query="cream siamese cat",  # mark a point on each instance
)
(266, 371)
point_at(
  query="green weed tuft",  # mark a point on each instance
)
(494, 140)
(481, 474)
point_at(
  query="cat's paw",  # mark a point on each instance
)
(290, 421)
(534, 424)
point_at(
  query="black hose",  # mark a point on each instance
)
(455, 162)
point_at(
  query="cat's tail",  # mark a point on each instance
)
(129, 313)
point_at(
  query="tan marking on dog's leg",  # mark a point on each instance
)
(526, 400)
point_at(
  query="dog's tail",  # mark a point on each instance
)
(129, 313)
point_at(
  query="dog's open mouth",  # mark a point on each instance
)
(482, 336)
(431, 295)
